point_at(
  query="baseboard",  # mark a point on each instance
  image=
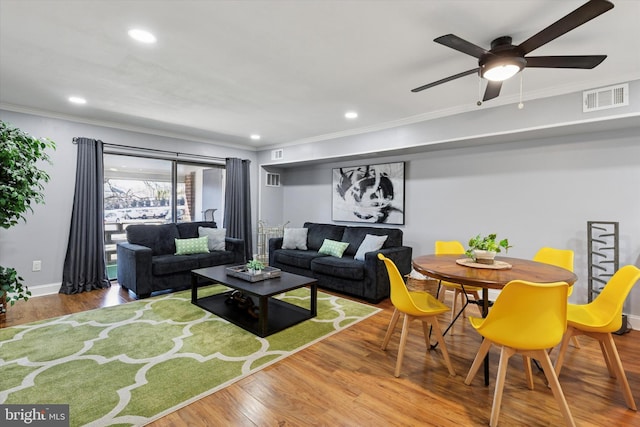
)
(634, 322)
(42, 290)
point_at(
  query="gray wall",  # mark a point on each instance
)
(535, 175)
(45, 234)
(537, 193)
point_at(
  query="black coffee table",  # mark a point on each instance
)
(273, 314)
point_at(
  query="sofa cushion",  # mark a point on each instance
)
(190, 229)
(346, 267)
(168, 264)
(295, 238)
(214, 258)
(160, 238)
(318, 232)
(333, 248)
(369, 244)
(355, 236)
(216, 241)
(196, 245)
(296, 258)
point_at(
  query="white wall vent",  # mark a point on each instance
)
(277, 154)
(606, 97)
(273, 179)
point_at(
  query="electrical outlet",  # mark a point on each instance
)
(37, 266)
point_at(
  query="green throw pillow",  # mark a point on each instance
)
(198, 245)
(333, 248)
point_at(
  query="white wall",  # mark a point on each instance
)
(535, 192)
(45, 234)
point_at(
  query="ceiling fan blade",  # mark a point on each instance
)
(492, 90)
(461, 45)
(446, 79)
(578, 61)
(583, 14)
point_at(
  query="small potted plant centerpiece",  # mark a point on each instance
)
(255, 267)
(483, 250)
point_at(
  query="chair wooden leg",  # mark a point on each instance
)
(543, 357)
(426, 331)
(455, 304)
(607, 340)
(440, 338)
(403, 340)
(607, 357)
(576, 344)
(526, 360)
(505, 354)
(477, 362)
(563, 349)
(392, 326)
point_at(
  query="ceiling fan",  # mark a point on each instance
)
(504, 60)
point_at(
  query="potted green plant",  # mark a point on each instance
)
(255, 267)
(21, 185)
(12, 288)
(483, 250)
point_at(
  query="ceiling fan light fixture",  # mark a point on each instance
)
(500, 73)
(502, 68)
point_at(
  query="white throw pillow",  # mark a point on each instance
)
(216, 237)
(295, 238)
(369, 244)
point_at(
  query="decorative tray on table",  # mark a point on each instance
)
(242, 272)
(497, 265)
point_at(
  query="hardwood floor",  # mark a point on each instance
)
(346, 380)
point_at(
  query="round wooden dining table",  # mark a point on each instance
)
(446, 267)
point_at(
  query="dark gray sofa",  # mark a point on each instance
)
(147, 261)
(366, 279)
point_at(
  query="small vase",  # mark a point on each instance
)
(484, 257)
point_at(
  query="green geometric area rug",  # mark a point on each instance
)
(133, 363)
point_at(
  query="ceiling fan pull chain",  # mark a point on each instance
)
(521, 105)
(479, 103)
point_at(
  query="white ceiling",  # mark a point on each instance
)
(288, 70)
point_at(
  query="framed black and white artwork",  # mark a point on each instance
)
(369, 193)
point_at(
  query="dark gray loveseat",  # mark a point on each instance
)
(366, 279)
(147, 261)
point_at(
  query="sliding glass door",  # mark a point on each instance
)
(143, 190)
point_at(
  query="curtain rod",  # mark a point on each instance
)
(155, 150)
(76, 138)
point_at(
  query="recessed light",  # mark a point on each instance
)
(255, 137)
(142, 36)
(350, 115)
(77, 100)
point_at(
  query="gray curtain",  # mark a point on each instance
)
(237, 202)
(84, 266)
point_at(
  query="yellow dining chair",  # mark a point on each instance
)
(598, 319)
(415, 305)
(453, 247)
(527, 318)
(562, 258)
